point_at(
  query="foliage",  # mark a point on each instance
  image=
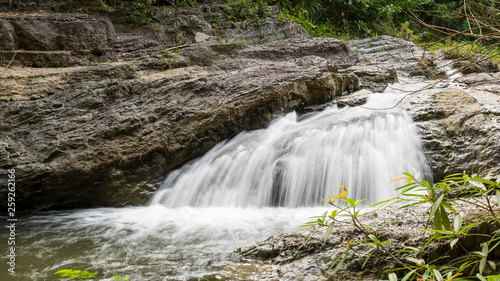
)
(450, 49)
(119, 278)
(77, 274)
(348, 17)
(96, 4)
(140, 11)
(240, 10)
(183, 3)
(442, 198)
(82, 274)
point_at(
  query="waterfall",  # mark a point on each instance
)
(297, 161)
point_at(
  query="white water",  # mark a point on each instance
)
(228, 198)
(146, 243)
(299, 161)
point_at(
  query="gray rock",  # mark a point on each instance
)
(303, 254)
(476, 65)
(460, 130)
(56, 40)
(7, 36)
(387, 52)
(114, 139)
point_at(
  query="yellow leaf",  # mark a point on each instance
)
(403, 178)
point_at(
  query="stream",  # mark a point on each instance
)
(244, 190)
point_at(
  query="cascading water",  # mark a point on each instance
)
(258, 184)
(299, 161)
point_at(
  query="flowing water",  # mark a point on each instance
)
(243, 190)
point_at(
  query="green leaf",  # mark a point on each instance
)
(438, 224)
(334, 213)
(457, 224)
(416, 261)
(425, 276)
(359, 201)
(449, 207)
(382, 203)
(392, 277)
(492, 265)
(408, 174)
(485, 250)
(480, 277)
(324, 215)
(436, 205)
(409, 274)
(488, 182)
(373, 237)
(445, 219)
(498, 197)
(453, 242)
(349, 201)
(355, 214)
(482, 264)
(413, 249)
(369, 256)
(341, 261)
(328, 231)
(437, 274)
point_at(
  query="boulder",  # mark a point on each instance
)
(460, 128)
(391, 53)
(55, 40)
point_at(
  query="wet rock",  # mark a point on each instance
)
(476, 65)
(312, 259)
(487, 83)
(328, 48)
(389, 53)
(303, 254)
(373, 77)
(113, 139)
(459, 130)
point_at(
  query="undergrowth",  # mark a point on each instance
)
(451, 49)
(443, 222)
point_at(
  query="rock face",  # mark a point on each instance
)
(55, 40)
(459, 126)
(387, 52)
(112, 140)
(461, 131)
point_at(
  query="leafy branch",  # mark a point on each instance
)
(441, 200)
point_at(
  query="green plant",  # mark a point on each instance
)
(183, 3)
(77, 274)
(99, 4)
(140, 11)
(241, 10)
(441, 198)
(83, 274)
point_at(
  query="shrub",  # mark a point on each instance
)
(441, 198)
